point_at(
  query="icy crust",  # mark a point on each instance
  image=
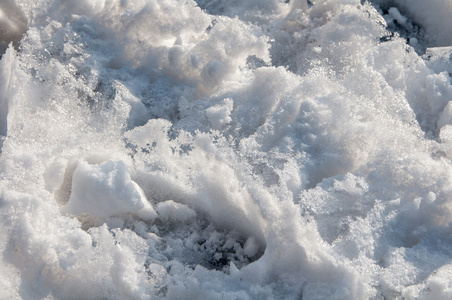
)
(231, 150)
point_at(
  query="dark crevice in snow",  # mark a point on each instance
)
(197, 242)
(399, 25)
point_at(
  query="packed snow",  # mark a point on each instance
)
(223, 149)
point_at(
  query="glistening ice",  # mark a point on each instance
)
(218, 149)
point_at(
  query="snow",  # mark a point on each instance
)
(13, 24)
(173, 211)
(395, 13)
(225, 149)
(105, 191)
(220, 115)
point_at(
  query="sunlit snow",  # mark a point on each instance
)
(225, 149)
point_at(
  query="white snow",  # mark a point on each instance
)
(106, 190)
(173, 211)
(395, 13)
(220, 115)
(257, 149)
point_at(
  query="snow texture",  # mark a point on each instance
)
(225, 149)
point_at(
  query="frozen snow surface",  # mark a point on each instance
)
(225, 149)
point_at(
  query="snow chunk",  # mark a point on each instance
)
(170, 210)
(251, 247)
(220, 114)
(395, 13)
(106, 190)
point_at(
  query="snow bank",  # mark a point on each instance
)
(225, 149)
